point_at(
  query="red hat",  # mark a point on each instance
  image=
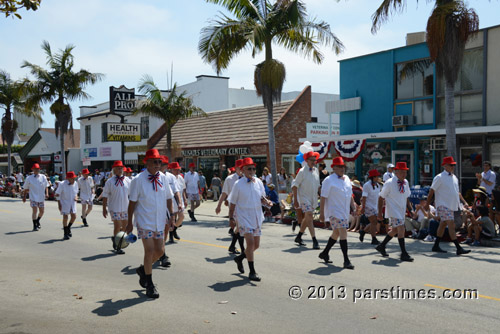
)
(311, 154)
(238, 163)
(152, 154)
(129, 170)
(192, 165)
(338, 161)
(448, 161)
(247, 162)
(373, 173)
(70, 175)
(35, 166)
(118, 163)
(401, 166)
(174, 165)
(164, 160)
(232, 169)
(85, 171)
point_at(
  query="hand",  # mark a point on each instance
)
(130, 228)
(362, 211)
(59, 206)
(226, 203)
(322, 217)
(24, 199)
(296, 204)
(217, 210)
(427, 207)
(104, 212)
(380, 217)
(232, 223)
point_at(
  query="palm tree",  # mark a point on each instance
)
(449, 27)
(58, 85)
(13, 99)
(257, 25)
(170, 107)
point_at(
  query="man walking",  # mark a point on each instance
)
(487, 178)
(67, 193)
(192, 190)
(87, 191)
(37, 186)
(389, 174)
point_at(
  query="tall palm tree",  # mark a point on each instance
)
(256, 26)
(58, 85)
(449, 27)
(13, 99)
(170, 107)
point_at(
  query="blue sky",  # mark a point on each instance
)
(125, 39)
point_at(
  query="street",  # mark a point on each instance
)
(48, 285)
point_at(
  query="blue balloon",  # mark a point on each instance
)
(300, 158)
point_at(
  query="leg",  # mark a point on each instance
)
(84, 210)
(307, 218)
(331, 241)
(149, 255)
(89, 208)
(343, 246)
(440, 233)
(373, 229)
(401, 239)
(65, 227)
(253, 243)
(34, 217)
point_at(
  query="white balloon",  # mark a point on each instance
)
(308, 143)
(304, 149)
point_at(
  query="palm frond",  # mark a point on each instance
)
(242, 8)
(385, 10)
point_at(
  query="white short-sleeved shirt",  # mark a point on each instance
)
(395, 201)
(247, 198)
(66, 195)
(307, 183)
(181, 183)
(86, 186)
(20, 177)
(191, 179)
(98, 178)
(371, 195)
(446, 191)
(488, 176)
(151, 208)
(268, 178)
(229, 183)
(175, 187)
(117, 194)
(387, 176)
(338, 194)
(36, 185)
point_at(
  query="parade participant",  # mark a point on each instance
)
(128, 172)
(37, 186)
(175, 169)
(203, 186)
(115, 198)
(149, 197)
(192, 190)
(369, 203)
(67, 193)
(246, 199)
(86, 185)
(448, 198)
(389, 174)
(233, 225)
(487, 178)
(335, 205)
(98, 177)
(20, 178)
(305, 196)
(171, 229)
(395, 192)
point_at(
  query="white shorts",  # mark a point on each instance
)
(34, 204)
(256, 232)
(307, 207)
(339, 223)
(445, 214)
(370, 212)
(395, 222)
(118, 215)
(193, 197)
(86, 202)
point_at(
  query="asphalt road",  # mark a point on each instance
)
(48, 285)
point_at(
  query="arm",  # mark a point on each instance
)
(380, 207)
(295, 200)
(131, 209)
(222, 198)
(170, 207)
(462, 199)
(363, 204)
(430, 197)
(354, 207)
(104, 204)
(322, 204)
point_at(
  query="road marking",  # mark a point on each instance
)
(443, 288)
(7, 211)
(203, 243)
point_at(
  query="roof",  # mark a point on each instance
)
(68, 143)
(232, 127)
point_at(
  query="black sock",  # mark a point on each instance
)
(38, 220)
(343, 246)
(241, 257)
(233, 242)
(362, 232)
(252, 269)
(299, 235)
(374, 238)
(386, 240)
(457, 244)
(437, 241)
(329, 245)
(241, 241)
(34, 222)
(402, 245)
(314, 239)
(149, 278)
(175, 228)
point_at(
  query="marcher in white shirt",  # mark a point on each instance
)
(171, 229)
(98, 177)
(335, 205)
(179, 204)
(37, 186)
(87, 191)
(246, 199)
(389, 174)
(448, 198)
(305, 189)
(192, 180)
(67, 193)
(395, 192)
(369, 203)
(233, 224)
(20, 178)
(150, 198)
(115, 198)
(487, 178)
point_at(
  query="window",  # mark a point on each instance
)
(87, 134)
(414, 79)
(470, 77)
(468, 110)
(289, 163)
(145, 127)
(424, 112)
(104, 132)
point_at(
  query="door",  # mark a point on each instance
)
(405, 156)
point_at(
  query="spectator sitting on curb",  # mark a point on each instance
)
(481, 226)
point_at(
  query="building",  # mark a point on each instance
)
(393, 102)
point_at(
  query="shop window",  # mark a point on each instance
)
(87, 134)
(145, 127)
(471, 74)
(425, 162)
(289, 163)
(424, 112)
(468, 110)
(376, 156)
(414, 79)
(495, 154)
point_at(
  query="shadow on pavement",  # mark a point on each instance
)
(220, 260)
(104, 238)
(326, 270)
(387, 261)
(228, 239)
(19, 232)
(99, 256)
(110, 308)
(226, 286)
(298, 249)
(51, 241)
(128, 270)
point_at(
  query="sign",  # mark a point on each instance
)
(123, 132)
(90, 152)
(217, 151)
(105, 151)
(86, 161)
(121, 99)
(317, 130)
(136, 149)
(57, 158)
(45, 158)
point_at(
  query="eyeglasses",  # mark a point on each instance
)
(157, 162)
(251, 168)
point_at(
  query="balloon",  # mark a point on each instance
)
(308, 143)
(304, 149)
(300, 158)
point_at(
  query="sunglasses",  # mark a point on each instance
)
(157, 162)
(251, 168)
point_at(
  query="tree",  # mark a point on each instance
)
(58, 85)
(257, 25)
(10, 7)
(449, 27)
(13, 99)
(168, 106)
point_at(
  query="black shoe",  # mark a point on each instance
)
(114, 245)
(315, 244)
(254, 277)
(239, 264)
(66, 237)
(375, 242)
(325, 257)
(348, 265)
(142, 276)
(38, 226)
(151, 291)
(120, 251)
(233, 250)
(171, 238)
(69, 232)
(361, 235)
(299, 241)
(438, 249)
(231, 232)
(164, 262)
(406, 257)
(193, 219)
(381, 249)
(294, 225)
(190, 213)
(35, 227)
(462, 251)
(85, 222)
(176, 236)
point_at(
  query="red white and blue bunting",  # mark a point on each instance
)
(322, 148)
(349, 150)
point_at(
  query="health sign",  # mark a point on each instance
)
(124, 132)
